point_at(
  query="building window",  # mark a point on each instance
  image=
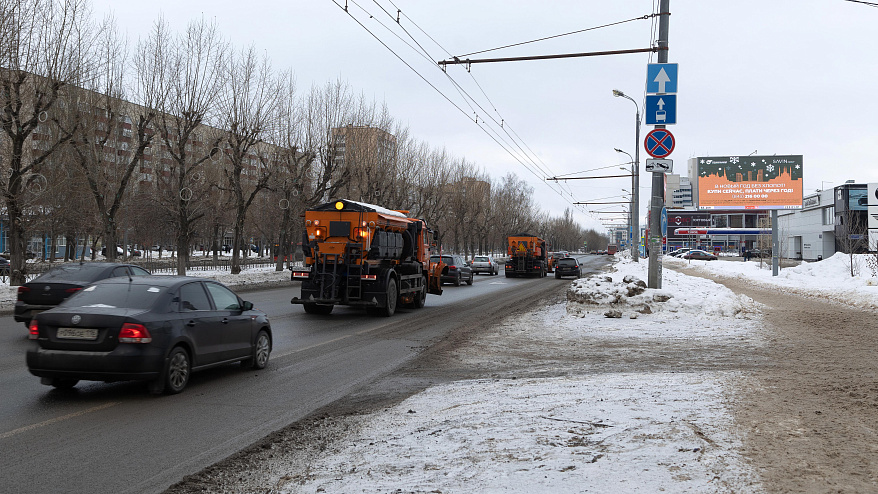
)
(829, 215)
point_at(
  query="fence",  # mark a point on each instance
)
(162, 266)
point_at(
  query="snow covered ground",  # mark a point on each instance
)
(581, 432)
(604, 432)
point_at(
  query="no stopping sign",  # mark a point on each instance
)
(659, 143)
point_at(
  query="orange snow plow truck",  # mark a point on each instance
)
(365, 255)
(527, 256)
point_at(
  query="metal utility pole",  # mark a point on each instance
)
(658, 179)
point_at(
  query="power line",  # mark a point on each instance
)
(560, 35)
(460, 90)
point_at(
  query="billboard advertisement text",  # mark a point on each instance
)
(750, 182)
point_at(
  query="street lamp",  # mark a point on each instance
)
(635, 179)
(633, 233)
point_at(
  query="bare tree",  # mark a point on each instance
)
(247, 108)
(191, 78)
(45, 44)
(111, 134)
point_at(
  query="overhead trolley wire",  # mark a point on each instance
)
(542, 168)
(644, 17)
(525, 156)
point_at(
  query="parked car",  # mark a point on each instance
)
(764, 253)
(457, 269)
(700, 255)
(51, 288)
(679, 252)
(485, 264)
(119, 250)
(568, 266)
(156, 328)
(4, 266)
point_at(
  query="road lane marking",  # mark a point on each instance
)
(358, 333)
(57, 419)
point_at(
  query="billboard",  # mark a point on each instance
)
(750, 182)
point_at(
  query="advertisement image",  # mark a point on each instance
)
(750, 182)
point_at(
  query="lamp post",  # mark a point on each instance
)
(633, 233)
(635, 179)
(631, 243)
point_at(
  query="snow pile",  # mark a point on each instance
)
(828, 279)
(624, 293)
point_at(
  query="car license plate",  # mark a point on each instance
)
(77, 333)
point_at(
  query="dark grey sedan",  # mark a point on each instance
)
(150, 328)
(52, 287)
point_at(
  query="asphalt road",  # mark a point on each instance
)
(116, 437)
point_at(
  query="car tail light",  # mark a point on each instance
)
(73, 290)
(22, 290)
(452, 267)
(134, 333)
(34, 329)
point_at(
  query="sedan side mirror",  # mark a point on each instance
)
(245, 306)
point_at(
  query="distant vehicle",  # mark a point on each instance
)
(679, 252)
(485, 264)
(764, 253)
(612, 249)
(528, 256)
(4, 266)
(51, 288)
(148, 328)
(458, 269)
(700, 255)
(568, 266)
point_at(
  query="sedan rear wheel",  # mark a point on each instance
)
(177, 371)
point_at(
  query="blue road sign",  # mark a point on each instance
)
(661, 109)
(664, 222)
(661, 78)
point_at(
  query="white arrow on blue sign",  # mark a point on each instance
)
(660, 109)
(661, 78)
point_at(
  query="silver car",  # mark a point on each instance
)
(485, 264)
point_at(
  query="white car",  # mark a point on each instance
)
(485, 264)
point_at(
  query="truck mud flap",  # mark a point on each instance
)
(435, 286)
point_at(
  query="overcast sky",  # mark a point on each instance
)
(755, 76)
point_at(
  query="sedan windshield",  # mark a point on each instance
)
(116, 295)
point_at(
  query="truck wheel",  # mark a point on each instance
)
(392, 297)
(318, 309)
(420, 298)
